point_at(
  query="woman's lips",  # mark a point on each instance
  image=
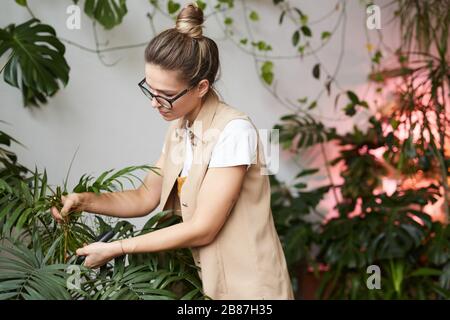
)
(164, 113)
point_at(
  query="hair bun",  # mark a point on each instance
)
(190, 20)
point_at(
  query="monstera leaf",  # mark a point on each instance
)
(109, 13)
(36, 61)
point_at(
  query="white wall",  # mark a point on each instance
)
(103, 112)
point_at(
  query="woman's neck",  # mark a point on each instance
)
(191, 116)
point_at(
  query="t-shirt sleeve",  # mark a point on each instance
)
(236, 145)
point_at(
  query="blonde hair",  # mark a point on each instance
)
(184, 48)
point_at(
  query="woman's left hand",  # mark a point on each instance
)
(99, 253)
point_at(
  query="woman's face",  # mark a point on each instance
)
(167, 83)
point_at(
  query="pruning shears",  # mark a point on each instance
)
(104, 237)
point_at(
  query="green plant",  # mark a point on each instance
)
(36, 61)
(36, 253)
(26, 275)
(391, 233)
(108, 13)
(390, 230)
(9, 167)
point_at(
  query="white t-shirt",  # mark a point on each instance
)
(236, 146)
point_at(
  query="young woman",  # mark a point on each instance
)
(212, 174)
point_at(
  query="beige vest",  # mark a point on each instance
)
(246, 259)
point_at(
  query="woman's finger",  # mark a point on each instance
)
(56, 215)
(65, 209)
(81, 252)
(52, 211)
(86, 263)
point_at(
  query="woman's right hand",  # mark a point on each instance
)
(71, 202)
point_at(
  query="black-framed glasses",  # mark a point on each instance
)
(163, 101)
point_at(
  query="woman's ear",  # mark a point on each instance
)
(202, 87)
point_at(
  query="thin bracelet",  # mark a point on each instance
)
(121, 246)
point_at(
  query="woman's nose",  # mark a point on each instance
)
(155, 103)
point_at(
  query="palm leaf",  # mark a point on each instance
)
(26, 276)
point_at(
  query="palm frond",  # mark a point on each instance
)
(25, 275)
